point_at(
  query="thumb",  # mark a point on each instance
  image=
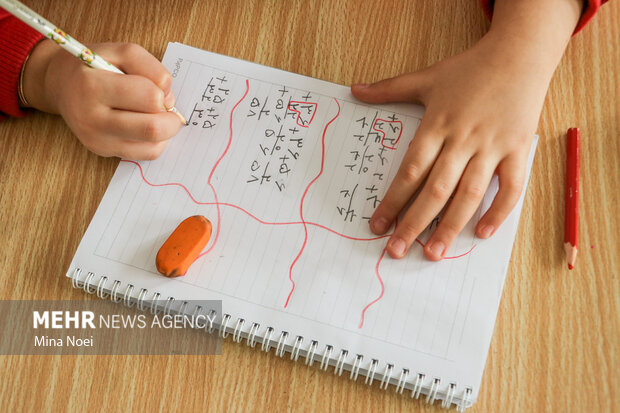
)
(409, 87)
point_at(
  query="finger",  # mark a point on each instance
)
(468, 195)
(141, 151)
(132, 92)
(143, 127)
(405, 88)
(108, 145)
(413, 169)
(441, 182)
(511, 173)
(134, 59)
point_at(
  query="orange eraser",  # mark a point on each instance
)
(183, 246)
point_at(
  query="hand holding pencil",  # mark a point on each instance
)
(126, 109)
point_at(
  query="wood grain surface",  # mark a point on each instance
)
(557, 337)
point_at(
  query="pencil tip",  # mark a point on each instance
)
(570, 267)
(176, 112)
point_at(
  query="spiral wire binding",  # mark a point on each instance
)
(296, 347)
(340, 362)
(326, 355)
(267, 340)
(153, 309)
(371, 372)
(184, 307)
(445, 403)
(356, 367)
(237, 331)
(222, 330)
(141, 296)
(432, 394)
(113, 295)
(433, 389)
(402, 380)
(281, 344)
(387, 374)
(417, 387)
(127, 296)
(252, 335)
(100, 291)
(310, 352)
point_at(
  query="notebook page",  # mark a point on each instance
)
(289, 169)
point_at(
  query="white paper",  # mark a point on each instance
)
(434, 318)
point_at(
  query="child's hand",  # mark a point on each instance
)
(111, 114)
(482, 109)
(481, 116)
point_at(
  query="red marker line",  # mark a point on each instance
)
(299, 112)
(374, 127)
(380, 293)
(226, 204)
(381, 279)
(302, 222)
(453, 257)
(301, 206)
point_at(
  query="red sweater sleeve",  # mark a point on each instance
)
(16, 41)
(590, 8)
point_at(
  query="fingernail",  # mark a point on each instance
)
(169, 101)
(486, 231)
(380, 225)
(361, 85)
(437, 248)
(397, 246)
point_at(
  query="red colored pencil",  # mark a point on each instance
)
(571, 205)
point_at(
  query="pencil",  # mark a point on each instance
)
(65, 41)
(571, 205)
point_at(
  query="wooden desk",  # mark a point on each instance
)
(557, 337)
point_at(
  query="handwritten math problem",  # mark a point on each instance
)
(280, 142)
(371, 143)
(289, 177)
(288, 170)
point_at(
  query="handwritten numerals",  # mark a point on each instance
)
(304, 111)
(390, 131)
(259, 173)
(372, 140)
(214, 92)
(284, 126)
(255, 108)
(345, 205)
(208, 109)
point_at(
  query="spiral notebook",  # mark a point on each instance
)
(289, 169)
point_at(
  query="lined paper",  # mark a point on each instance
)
(289, 169)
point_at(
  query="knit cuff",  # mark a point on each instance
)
(16, 42)
(590, 8)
